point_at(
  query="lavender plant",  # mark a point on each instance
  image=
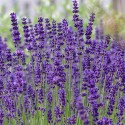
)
(59, 75)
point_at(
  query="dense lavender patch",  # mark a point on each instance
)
(59, 75)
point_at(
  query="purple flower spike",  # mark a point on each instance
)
(15, 30)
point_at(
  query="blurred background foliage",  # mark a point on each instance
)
(109, 11)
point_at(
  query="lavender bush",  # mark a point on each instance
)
(59, 75)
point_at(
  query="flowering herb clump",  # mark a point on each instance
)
(59, 75)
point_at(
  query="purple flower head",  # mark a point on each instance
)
(72, 120)
(89, 28)
(75, 13)
(62, 97)
(83, 114)
(49, 97)
(58, 113)
(1, 117)
(105, 121)
(15, 30)
(49, 116)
